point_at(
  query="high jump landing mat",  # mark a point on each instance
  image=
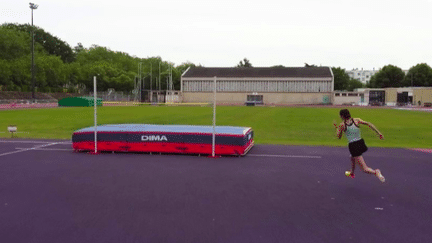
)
(183, 139)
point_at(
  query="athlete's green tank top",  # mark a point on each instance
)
(352, 132)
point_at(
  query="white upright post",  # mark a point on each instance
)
(214, 119)
(95, 114)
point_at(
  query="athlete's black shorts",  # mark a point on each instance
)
(357, 148)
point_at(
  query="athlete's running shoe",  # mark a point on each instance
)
(380, 176)
(350, 174)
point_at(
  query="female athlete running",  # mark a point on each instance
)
(356, 145)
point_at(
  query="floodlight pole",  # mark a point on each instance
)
(140, 81)
(214, 119)
(172, 81)
(151, 85)
(169, 78)
(95, 113)
(32, 7)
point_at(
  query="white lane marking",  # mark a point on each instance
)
(2, 141)
(23, 150)
(36, 142)
(285, 156)
(48, 149)
(257, 155)
(42, 146)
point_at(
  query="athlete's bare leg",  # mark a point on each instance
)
(353, 163)
(359, 160)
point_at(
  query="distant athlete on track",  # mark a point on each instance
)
(351, 128)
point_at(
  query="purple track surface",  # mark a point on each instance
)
(48, 193)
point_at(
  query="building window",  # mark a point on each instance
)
(344, 94)
(352, 94)
(337, 94)
(258, 99)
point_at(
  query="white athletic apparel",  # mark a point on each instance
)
(352, 132)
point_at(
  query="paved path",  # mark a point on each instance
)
(274, 194)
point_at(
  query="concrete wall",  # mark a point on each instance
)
(391, 97)
(346, 98)
(365, 93)
(207, 97)
(268, 98)
(296, 98)
(424, 95)
(391, 94)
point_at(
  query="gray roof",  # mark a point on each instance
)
(259, 72)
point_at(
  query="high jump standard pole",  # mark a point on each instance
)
(95, 113)
(214, 119)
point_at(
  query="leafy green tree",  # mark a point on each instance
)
(124, 82)
(73, 72)
(105, 73)
(341, 78)
(113, 69)
(5, 74)
(78, 48)
(16, 55)
(13, 44)
(93, 54)
(52, 73)
(388, 76)
(354, 84)
(52, 44)
(151, 70)
(419, 75)
(178, 72)
(244, 63)
(166, 68)
(184, 66)
(20, 72)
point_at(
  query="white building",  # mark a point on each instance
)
(259, 85)
(362, 75)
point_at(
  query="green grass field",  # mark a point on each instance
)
(272, 125)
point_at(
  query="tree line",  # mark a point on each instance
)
(59, 67)
(419, 75)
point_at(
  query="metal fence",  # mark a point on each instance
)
(28, 101)
(145, 96)
(116, 96)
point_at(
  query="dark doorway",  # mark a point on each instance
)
(145, 96)
(402, 98)
(376, 97)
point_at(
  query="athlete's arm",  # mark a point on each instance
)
(339, 130)
(371, 126)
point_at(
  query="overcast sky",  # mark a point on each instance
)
(219, 33)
